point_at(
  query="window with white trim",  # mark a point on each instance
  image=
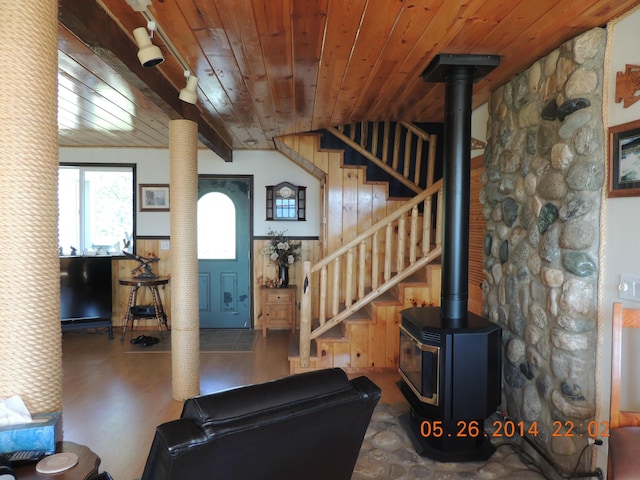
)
(95, 208)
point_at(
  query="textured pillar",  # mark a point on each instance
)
(30, 338)
(185, 327)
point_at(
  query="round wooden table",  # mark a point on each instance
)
(87, 465)
(152, 285)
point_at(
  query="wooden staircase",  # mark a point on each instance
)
(374, 265)
(366, 341)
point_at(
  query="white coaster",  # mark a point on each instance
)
(57, 463)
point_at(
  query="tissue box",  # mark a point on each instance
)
(41, 434)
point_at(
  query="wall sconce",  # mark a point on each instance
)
(148, 54)
(189, 94)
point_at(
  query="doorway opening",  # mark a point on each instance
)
(225, 216)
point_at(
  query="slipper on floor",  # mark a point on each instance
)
(147, 342)
(139, 339)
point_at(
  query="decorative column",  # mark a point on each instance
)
(185, 325)
(30, 338)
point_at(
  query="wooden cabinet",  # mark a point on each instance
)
(278, 308)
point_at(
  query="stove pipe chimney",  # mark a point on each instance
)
(458, 72)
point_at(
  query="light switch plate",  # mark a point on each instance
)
(629, 288)
(164, 245)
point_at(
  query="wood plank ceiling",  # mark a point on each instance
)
(273, 67)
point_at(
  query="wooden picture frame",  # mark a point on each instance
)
(154, 197)
(624, 160)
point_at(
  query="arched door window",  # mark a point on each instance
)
(216, 227)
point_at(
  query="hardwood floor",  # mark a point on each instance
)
(112, 400)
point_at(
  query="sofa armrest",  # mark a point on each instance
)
(171, 439)
(180, 434)
(367, 387)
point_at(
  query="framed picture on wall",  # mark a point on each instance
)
(624, 160)
(154, 197)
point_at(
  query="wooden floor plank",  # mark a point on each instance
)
(112, 401)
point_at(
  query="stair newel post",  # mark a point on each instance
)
(305, 315)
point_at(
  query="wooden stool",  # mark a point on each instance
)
(158, 310)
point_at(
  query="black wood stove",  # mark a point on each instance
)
(451, 379)
(450, 359)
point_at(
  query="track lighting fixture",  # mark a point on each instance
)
(189, 94)
(148, 53)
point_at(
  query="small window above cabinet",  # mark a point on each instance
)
(286, 201)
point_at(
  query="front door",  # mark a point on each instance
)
(224, 251)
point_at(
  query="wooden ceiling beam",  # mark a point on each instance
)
(96, 29)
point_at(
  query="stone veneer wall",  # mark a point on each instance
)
(544, 174)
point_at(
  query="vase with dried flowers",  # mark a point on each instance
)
(283, 252)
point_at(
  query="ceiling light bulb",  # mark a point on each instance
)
(148, 54)
(189, 94)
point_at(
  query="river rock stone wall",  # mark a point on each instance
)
(544, 173)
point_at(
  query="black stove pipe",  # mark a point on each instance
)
(458, 72)
(456, 177)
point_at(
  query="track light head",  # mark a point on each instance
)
(189, 94)
(148, 53)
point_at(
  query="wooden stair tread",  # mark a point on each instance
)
(421, 276)
(386, 297)
(359, 315)
(294, 346)
(334, 333)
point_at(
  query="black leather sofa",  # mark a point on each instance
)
(306, 426)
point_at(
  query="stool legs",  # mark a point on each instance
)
(160, 315)
(133, 295)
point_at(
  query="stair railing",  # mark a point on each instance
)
(396, 148)
(414, 242)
